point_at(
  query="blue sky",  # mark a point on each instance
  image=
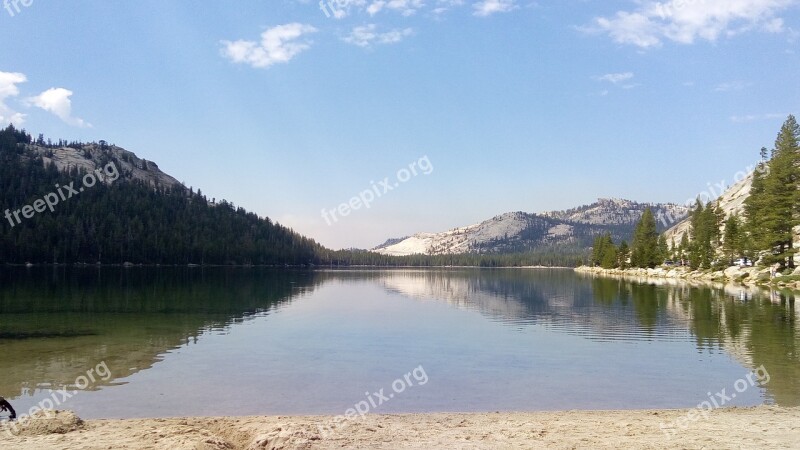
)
(517, 105)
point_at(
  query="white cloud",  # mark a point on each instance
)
(366, 35)
(757, 117)
(731, 86)
(685, 21)
(375, 7)
(278, 45)
(57, 101)
(486, 8)
(340, 9)
(616, 78)
(8, 89)
(405, 7)
(443, 6)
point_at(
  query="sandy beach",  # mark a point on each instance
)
(759, 427)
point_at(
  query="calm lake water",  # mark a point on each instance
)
(173, 342)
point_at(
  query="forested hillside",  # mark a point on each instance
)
(756, 221)
(130, 219)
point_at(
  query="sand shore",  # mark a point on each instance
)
(759, 427)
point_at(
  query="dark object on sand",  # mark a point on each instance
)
(5, 406)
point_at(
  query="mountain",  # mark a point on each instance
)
(94, 202)
(91, 156)
(517, 232)
(614, 212)
(731, 202)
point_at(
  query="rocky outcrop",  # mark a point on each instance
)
(519, 232)
(750, 276)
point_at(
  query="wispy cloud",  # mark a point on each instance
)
(757, 117)
(442, 6)
(685, 21)
(620, 80)
(486, 8)
(8, 89)
(278, 45)
(57, 101)
(365, 36)
(616, 78)
(404, 7)
(728, 86)
(375, 7)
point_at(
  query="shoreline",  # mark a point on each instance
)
(264, 266)
(746, 277)
(752, 427)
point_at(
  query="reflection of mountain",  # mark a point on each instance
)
(461, 289)
(55, 324)
(754, 327)
(545, 297)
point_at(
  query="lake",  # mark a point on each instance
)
(161, 342)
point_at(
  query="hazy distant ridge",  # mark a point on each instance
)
(522, 232)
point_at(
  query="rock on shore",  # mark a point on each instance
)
(751, 276)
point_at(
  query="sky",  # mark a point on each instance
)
(434, 113)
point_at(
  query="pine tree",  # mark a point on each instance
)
(644, 252)
(683, 249)
(597, 251)
(733, 240)
(754, 207)
(609, 260)
(697, 232)
(604, 252)
(663, 249)
(705, 235)
(774, 205)
(623, 254)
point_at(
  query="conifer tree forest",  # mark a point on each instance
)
(764, 233)
(130, 221)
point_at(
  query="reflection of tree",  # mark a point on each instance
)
(747, 325)
(606, 290)
(57, 323)
(756, 331)
(647, 300)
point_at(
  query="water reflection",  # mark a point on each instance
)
(754, 326)
(57, 323)
(359, 324)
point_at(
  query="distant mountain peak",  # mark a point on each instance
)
(522, 232)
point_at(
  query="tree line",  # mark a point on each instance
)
(648, 248)
(131, 221)
(762, 233)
